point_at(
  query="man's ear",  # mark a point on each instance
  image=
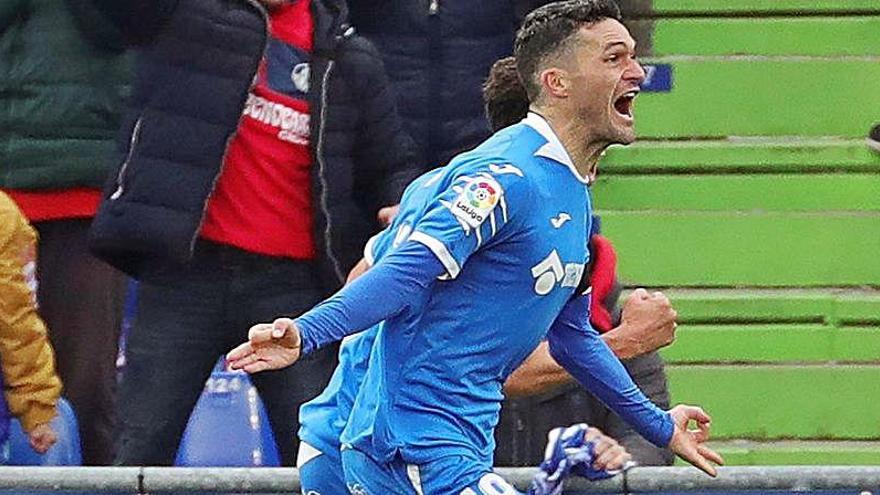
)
(555, 82)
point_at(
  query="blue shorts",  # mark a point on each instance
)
(449, 475)
(320, 473)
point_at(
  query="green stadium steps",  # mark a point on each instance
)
(773, 36)
(747, 249)
(715, 98)
(828, 402)
(761, 192)
(777, 343)
(740, 155)
(672, 7)
(821, 306)
(855, 309)
(797, 453)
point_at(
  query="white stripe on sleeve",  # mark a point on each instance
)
(439, 250)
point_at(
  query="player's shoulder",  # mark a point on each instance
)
(509, 156)
(493, 172)
(420, 183)
(518, 143)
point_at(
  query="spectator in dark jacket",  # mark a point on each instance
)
(63, 81)
(540, 392)
(438, 53)
(259, 147)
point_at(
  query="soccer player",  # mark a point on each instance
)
(648, 324)
(506, 103)
(323, 419)
(488, 269)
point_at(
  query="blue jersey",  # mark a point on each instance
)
(323, 418)
(509, 222)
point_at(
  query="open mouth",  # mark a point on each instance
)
(623, 105)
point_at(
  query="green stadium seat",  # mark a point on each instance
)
(753, 202)
(793, 453)
(776, 402)
(754, 7)
(759, 36)
(738, 155)
(719, 97)
(740, 192)
(773, 343)
(750, 249)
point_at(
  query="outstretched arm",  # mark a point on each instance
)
(648, 323)
(438, 244)
(580, 350)
(380, 293)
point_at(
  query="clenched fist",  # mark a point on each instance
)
(42, 437)
(647, 324)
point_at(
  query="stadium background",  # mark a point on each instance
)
(752, 197)
(752, 200)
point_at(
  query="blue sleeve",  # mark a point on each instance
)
(383, 291)
(400, 228)
(576, 346)
(377, 244)
(470, 212)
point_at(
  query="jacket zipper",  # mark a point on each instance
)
(434, 7)
(319, 156)
(195, 237)
(120, 177)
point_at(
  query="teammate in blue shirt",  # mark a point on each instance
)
(505, 234)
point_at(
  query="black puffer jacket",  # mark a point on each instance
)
(438, 53)
(195, 63)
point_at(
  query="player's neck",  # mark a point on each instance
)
(575, 136)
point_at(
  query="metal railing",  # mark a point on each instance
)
(142, 480)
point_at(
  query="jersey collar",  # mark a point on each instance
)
(553, 149)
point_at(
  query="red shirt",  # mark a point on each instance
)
(43, 205)
(262, 202)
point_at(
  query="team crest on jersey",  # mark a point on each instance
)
(300, 77)
(477, 200)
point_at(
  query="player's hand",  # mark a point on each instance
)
(270, 346)
(609, 455)
(647, 322)
(577, 450)
(42, 437)
(689, 444)
(386, 215)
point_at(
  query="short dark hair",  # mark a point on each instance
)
(504, 96)
(548, 29)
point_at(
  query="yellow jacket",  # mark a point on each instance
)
(31, 386)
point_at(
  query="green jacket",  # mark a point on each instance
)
(63, 83)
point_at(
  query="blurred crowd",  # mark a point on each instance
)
(233, 157)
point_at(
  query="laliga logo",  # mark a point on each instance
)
(482, 195)
(476, 201)
(470, 212)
